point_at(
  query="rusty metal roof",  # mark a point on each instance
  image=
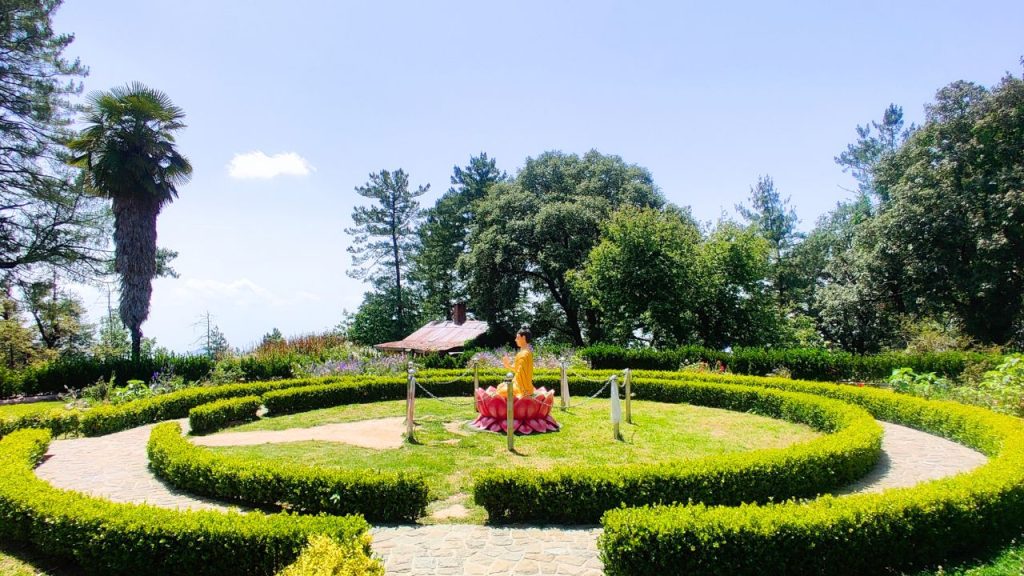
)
(438, 336)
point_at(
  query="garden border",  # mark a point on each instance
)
(866, 533)
(113, 538)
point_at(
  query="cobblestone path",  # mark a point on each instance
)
(115, 467)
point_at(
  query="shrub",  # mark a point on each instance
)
(805, 363)
(328, 557)
(861, 534)
(207, 418)
(583, 494)
(110, 538)
(379, 496)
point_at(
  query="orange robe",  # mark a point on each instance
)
(522, 379)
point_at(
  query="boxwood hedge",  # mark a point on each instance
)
(847, 452)
(113, 539)
(218, 414)
(378, 496)
(859, 534)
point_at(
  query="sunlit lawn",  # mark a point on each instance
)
(448, 452)
(15, 410)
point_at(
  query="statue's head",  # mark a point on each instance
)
(524, 331)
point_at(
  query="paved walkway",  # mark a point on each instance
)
(115, 467)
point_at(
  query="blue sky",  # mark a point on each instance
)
(290, 105)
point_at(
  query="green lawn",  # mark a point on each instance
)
(1008, 561)
(448, 452)
(18, 561)
(15, 410)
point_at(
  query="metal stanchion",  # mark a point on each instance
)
(565, 384)
(509, 419)
(410, 405)
(616, 408)
(628, 381)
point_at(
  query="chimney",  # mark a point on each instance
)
(459, 313)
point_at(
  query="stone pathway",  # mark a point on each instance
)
(115, 467)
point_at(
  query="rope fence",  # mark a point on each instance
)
(610, 382)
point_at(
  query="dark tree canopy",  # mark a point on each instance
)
(443, 235)
(46, 218)
(529, 233)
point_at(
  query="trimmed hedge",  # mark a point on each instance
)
(860, 534)
(106, 419)
(849, 451)
(378, 496)
(207, 418)
(77, 373)
(113, 539)
(811, 364)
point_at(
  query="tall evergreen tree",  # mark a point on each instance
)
(443, 235)
(128, 152)
(775, 220)
(384, 238)
(874, 142)
(46, 220)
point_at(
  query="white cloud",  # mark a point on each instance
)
(242, 292)
(260, 166)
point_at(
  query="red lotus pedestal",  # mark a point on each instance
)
(531, 414)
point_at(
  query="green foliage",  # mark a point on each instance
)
(804, 363)
(376, 321)
(925, 385)
(952, 228)
(383, 243)
(532, 231)
(860, 534)
(442, 236)
(376, 495)
(48, 219)
(1002, 389)
(211, 417)
(328, 557)
(638, 244)
(126, 539)
(108, 418)
(79, 372)
(804, 470)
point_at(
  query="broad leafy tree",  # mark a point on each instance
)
(59, 318)
(46, 218)
(128, 152)
(641, 277)
(384, 241)
(953, 225)
(530, 232)
(443, 235)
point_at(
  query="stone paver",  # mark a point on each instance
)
(115, 467)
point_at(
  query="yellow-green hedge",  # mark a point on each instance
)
(580, 495)
(859, 534)
(113, 539)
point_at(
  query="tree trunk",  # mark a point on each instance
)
(135, 259)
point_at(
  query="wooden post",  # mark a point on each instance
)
(565, 384)
(616, 408)
(628, 381)
(509, 419)
(410, 405)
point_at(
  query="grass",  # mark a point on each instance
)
(448, 452)
(1008, 561)
(18, 561)
(15, 410)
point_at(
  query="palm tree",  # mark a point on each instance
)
(127, 152)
